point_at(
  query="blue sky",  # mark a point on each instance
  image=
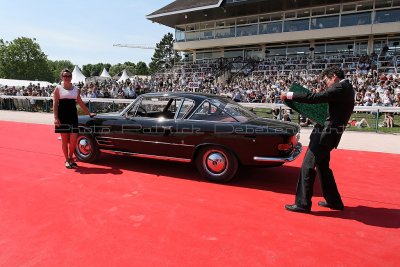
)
(84, 31)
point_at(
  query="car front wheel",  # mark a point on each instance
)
(216, 164)
(86, 149)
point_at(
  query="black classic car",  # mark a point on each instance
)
(214, 132)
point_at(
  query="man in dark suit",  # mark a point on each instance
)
(340, 98)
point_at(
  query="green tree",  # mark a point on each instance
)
(90, 70)
(117, 68)
(141, 68)
(2, 51)
(164, 56)
(130, 67)
(23, 59)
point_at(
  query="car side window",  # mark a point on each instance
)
(187, 105)
(157, 107)
(132, 111)
(210, 112)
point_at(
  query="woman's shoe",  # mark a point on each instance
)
(72, 163)
(68, 165)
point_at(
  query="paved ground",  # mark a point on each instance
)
(361, 141)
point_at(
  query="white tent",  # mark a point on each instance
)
(77, 76)
(105, 74)
(20, 83)
(124, 77)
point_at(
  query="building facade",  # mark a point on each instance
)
(209, 29)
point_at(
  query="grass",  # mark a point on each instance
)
(370, 118)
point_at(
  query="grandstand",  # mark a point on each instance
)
(220, 38)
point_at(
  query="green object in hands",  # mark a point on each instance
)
(315, 112)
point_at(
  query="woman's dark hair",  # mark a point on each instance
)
(63, 71)
(334, 70)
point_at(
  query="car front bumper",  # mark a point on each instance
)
(296, 152)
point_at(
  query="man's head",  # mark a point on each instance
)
(332, 75)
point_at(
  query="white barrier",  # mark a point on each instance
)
(379, 109)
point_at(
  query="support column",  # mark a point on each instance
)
(370, 47)
(194, 56)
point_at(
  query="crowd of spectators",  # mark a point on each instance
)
(374, 78)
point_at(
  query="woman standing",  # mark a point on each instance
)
(65, 97)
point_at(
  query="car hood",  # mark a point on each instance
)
(83, 119)
(275, 125)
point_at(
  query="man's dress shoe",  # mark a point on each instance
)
(332, 207)
(296, 208)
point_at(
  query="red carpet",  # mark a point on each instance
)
(126, 211)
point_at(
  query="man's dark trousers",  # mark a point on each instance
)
(317, 157)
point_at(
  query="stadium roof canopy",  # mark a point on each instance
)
(182, 12)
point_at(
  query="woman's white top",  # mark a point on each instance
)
(67, 94)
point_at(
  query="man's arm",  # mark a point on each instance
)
(313, 98)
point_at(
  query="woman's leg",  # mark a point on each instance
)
(65, 140)
(72, 144)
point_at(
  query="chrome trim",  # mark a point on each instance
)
(143, 141)
(292, 157)
(215, 162)
(100, 142)
(151, 156)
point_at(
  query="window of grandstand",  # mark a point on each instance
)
(396, 2)
(247, 26)
(204, 55)
(179, 35)
(318, 11)
(303, 13)
(233, 53)
(337, 48)
(319, 49)
(361, 48)
(277, 51)
(324, 22)
(206, 35)
(333, 9)
(293, 50)
(225, 29)
(385, 16)
(254, 53)
(273, 27)
(247, 30)
(349, 7)
(276, 16)
(356, 19)
(365, 5)
(290, 15)
(296, 25)
(382, 3)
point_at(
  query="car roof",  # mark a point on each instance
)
(194, 96)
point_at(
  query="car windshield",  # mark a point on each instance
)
(233, 109)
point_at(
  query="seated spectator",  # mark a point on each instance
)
(276, 114)
(359, 124)
(387, 99)
(286, 116)
(388, 120)
(304, 121)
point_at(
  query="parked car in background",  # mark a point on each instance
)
(213, 132)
